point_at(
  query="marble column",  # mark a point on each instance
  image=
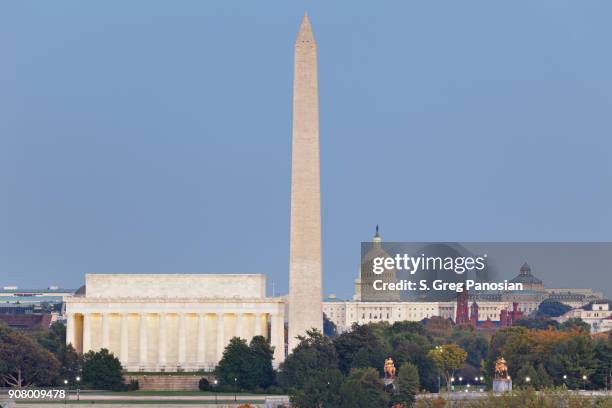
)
(124, 340)
(277, 334)
(70, 329)
(258, 324)
(143, 340)
(105, 331)
(161, 357)
(182, 349)
(201, 348)
(239, 325)
(86, 332)
(220, 336)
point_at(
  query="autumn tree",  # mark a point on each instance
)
(23, 362)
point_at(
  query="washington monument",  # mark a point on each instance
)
(305, 293)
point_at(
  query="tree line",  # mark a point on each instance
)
(43, 359)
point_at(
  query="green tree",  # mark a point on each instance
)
(413, 346)
(23, 362)
(575, 323)
(539, 322)
(447, 359)
(53, 339)
(321, 390)
(542, 379)
(407, 327)
(246, 366)
(574, 358)
(496, 345)
(70, 363)
(602, 377)
(552, 308)
(408, 385)
(474, 343)
(359, 348)
(259, 369)
(232, 369)
(102, 371)
(329, 327)
(525, 377)
(314, 352)
(363, 389)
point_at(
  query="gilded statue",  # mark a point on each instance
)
(389, 368)
(501, 368)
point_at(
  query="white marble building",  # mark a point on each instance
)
(344, 313)
(598, 316)
(172, 322)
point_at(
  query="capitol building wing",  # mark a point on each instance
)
(172, 322)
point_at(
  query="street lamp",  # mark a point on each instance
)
(78, 381)
(235, 388)
(584, 380)
(527, 379)
(65, 391)
(216, 382)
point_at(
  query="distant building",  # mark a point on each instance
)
(574, 297)
(344, 313)
(484, 310)
(31, 309)
(534, 292)
(598, 316)
(33, 300)
(27, 322)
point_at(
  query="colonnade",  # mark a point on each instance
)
(212, 330)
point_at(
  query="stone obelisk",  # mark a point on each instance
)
(305, 292)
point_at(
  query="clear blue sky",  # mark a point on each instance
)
(155, 136)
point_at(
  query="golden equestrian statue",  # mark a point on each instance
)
(501, 369)
(389, 368)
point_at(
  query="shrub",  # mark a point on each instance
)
(133, 385)
(204, 384)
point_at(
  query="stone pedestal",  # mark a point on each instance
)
(390, 382)
(502, 385)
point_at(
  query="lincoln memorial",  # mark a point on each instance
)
(172, 322)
